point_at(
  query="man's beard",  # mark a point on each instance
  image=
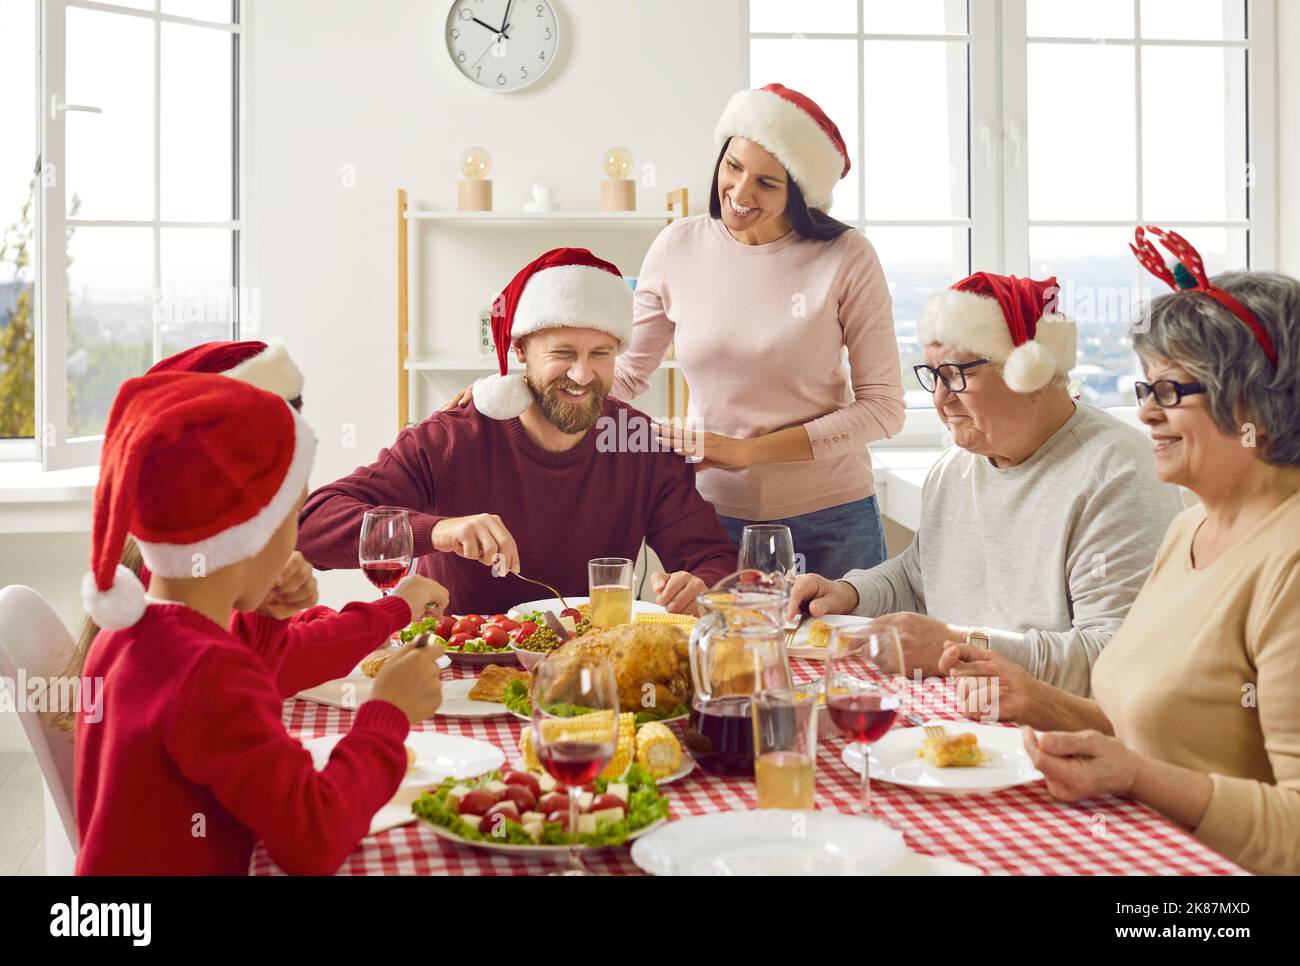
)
(569, 417)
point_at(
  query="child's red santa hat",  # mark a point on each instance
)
(796, 130)
(564, 287)
(265, 365)
(1008, 320)
(201, 470)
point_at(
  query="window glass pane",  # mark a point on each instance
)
(807, 16)
(1081, 141)
(917, 156)
(110, 155)
(1194, 19)
(918, 262)
(914, 16)
(110, 319)
(826, 71)
(1195, 171)
(194, 302)
(196, 141)
(18, 149)
(217, 11)
(1070, 18)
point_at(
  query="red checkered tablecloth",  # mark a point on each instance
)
(1020, 831)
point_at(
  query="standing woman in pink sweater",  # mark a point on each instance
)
(784, 331)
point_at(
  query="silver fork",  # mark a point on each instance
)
(934, 731)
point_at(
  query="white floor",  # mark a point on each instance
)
(22, 818)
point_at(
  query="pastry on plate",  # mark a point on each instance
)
(492, 681)
(952, 751)
(410, 759)
(374, 662)
(819, 634)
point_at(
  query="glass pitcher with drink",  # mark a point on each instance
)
(737, 649)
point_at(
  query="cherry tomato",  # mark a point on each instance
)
(525, 630)
(504, 622)
(561, 816)
(444, 627)
(477, 802)
(494, 636)
(521, 796)
(506, 808)
(456, 640)
(607, 801)
(473, 617)
(465, 626)
(553, 803)
(523, 778)
(572, 612)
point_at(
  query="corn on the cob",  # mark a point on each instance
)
(657, 750)
(684, 621)
(585, 726)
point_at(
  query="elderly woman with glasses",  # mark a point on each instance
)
(1038, 527)
(1196, 711)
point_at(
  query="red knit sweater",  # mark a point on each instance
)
(562, 508)
(190, 764)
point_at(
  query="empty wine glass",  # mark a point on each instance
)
(768, 548)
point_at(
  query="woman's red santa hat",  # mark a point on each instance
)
(1008, 320)
(796, 130)
(566, 287)
(183, 473)
(265, 365)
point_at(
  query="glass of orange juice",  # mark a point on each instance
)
(785, 748)
(609, 581)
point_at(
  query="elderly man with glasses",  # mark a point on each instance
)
(1040, 524)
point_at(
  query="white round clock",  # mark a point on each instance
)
(502, 45)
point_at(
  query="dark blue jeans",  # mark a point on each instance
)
(832, 541)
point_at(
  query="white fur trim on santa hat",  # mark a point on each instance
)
(502, 397)
(122, 605)
(787, 131)
(243, 540)
(272, 370)
(975, 323)
(575, 295)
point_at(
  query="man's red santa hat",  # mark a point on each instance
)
(1008, 320)
(265, 365)
(791, 126)
(562, 288)
(183, 472)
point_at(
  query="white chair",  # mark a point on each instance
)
(34, 640)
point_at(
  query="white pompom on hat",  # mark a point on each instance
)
(796, 130)
(1008, 320)
(564, 287)
(201, 470)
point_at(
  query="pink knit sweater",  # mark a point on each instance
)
(761, 333)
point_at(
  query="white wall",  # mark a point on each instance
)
(336, 82)
(1288, 136)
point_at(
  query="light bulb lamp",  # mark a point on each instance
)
(618, 190)
(474, 192)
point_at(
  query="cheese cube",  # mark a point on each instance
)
(527, 817)
(496, 787)
(534, 829)
(607, 815)
(587, 824)
(457, 793)
(569, 623)
(473, 821)
(546, 783)
(618, 790)
(584, 801)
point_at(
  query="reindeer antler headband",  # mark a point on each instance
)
(1189, 275)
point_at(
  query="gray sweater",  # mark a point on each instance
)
(1048, 555)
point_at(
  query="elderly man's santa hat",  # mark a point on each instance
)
(265, 365)
(796, 130)
(182, 472)
(1009, 320)
(562, 288)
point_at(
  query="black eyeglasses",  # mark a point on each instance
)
(1166, 391)
(952, 375)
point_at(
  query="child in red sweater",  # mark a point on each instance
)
(188, 764)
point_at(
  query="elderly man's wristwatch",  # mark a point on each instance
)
(978, 636)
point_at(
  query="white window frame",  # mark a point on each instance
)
(997, 108)
(56, 450)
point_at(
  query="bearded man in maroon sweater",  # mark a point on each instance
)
(541, 472)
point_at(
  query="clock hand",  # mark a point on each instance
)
(482, 24)
(505, 18)
(485, 53)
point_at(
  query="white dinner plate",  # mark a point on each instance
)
(456, 702)
(351, 692)
(770, 842)
(553, 604)
(799, 646)
(437, 757)
(894, 760)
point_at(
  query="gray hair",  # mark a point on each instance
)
(1220, 352)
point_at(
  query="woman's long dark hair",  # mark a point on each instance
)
(807, 222)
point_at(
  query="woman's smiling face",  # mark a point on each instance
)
(752, 186)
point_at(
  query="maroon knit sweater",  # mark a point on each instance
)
(562, 508)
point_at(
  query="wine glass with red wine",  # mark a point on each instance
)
(573, 750)
(862, 690)
(386, 547)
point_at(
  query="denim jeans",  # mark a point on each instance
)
(832, 541)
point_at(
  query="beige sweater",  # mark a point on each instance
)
(1205, 673)
(796, 332)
